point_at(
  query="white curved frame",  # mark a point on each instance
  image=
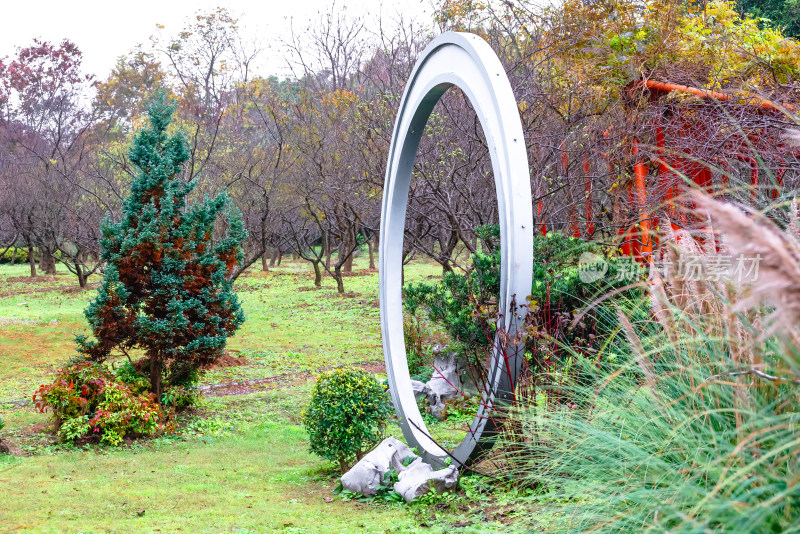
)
(468, 62)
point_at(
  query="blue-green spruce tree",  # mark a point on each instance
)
(166, 289)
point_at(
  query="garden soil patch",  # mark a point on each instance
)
(275, 382)
(258, 385)
(6, 447)
(67, 289)
(227, 360)
(33, 279)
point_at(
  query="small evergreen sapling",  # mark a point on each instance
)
(166, 289)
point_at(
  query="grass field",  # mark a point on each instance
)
(241, 464)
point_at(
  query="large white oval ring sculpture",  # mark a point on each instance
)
(468, 62)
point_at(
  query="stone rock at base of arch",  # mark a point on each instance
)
(420, 389)
(444, 384)
(367, 474)
(419, 478)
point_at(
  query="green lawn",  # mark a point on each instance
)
(290, 324)
(242, 463)
(263, 480)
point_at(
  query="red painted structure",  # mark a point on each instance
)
(671, 163)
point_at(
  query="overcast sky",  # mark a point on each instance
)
(105, 30)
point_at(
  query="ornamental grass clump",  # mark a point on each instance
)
(697, 426)
(347, 415)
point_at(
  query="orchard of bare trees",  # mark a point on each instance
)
(621, 114)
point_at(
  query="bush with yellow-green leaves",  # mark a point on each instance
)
(347, 415)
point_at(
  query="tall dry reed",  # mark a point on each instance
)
(692, 421)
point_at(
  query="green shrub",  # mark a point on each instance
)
(2, 424)
(19, 255)
(180, 397)
(465, 304)
(419, 354)
(180, 382)
(182, 374)
(347, 415)
(127, 373)
(87, 400)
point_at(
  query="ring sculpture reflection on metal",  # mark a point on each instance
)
(468, 62)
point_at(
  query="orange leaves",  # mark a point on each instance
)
(338, 102)
(462, 15)
(229, 259)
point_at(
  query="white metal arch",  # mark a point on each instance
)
(468, 62)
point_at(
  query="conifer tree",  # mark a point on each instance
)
(166, 289)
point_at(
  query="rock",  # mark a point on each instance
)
(367, 474)
(420, 389)
(419, 478)
(437, 407)
(451, 379)
(445, 380)
(414, 480)
(468, 377)
(444, 384)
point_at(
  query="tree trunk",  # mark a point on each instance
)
(447, 244)
(279, 252)
(328, 251)
(317, 274)
(274, 257)
(32, 261)
(47, 262)
(347, 245)
(337, 272)
(155, 377)
(371, 250)
(264, 247)
(81, 275)
(348, 265)
(13, 256)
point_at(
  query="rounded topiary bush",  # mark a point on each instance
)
(348, 413)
